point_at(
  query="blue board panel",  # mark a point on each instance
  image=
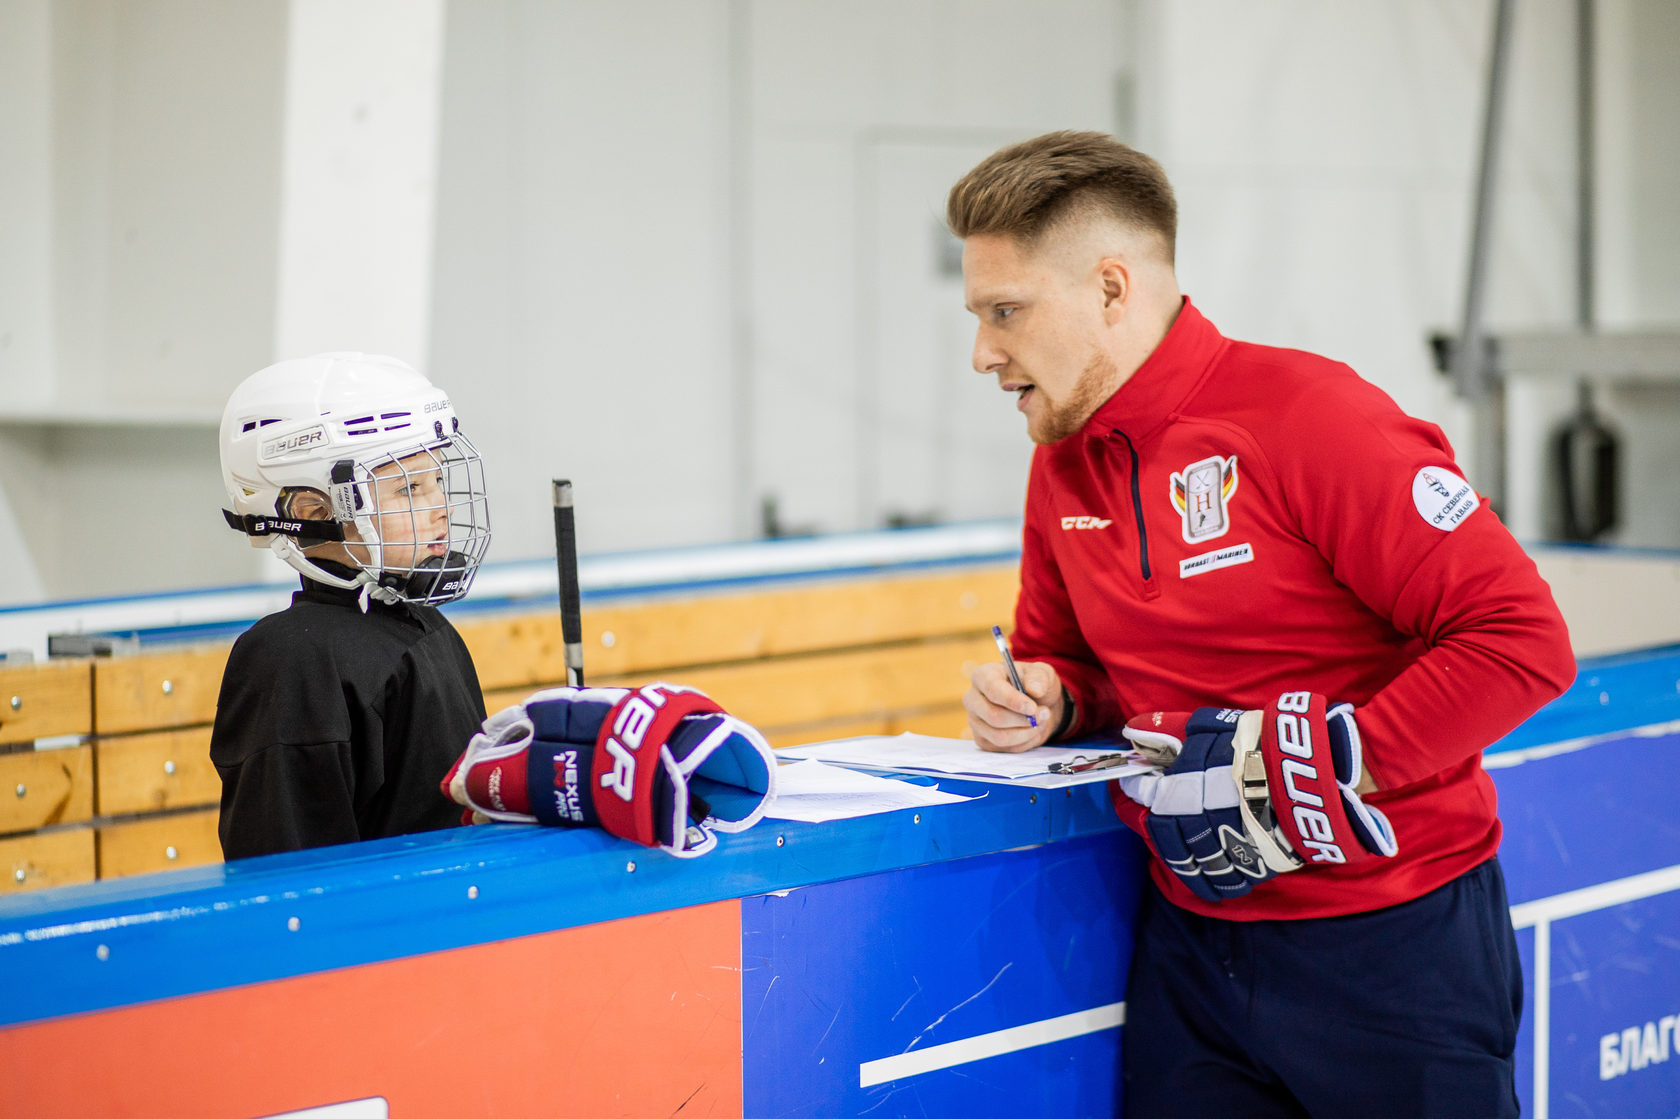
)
(1597, 815)
(1615, 996)
(1603, 812)
(845, 973)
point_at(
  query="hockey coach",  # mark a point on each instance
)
(1284, 590)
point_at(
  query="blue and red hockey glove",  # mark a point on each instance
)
(1242, 796)
(661, 765)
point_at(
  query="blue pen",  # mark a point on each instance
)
(1009, 663)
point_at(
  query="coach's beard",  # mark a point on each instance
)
(1098, 382)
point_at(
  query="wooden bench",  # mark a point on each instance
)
(125, 786)
(46, 795)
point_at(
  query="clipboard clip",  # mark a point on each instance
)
(1082, 764)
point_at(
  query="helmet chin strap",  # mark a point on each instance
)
(368, 583)
(384, 594)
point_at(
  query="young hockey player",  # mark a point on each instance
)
(339, 715)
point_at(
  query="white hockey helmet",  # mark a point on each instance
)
(379, 445)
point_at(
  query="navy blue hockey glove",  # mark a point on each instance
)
(661, 765)
(1311, 754)
(1246, 795)
(1194, 822)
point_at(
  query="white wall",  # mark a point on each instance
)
(688, 252)
(358, 177)
(863, 116)
(1324, 176)
(26, 336)
(1640, 247)
(144, 203)
(581, 302)
(690, 262)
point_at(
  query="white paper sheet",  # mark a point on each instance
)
(814, 792)
(959, 757)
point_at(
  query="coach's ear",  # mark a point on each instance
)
(1116, 280)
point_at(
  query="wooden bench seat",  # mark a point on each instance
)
(130, 788)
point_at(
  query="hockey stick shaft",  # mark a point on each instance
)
(565, 554)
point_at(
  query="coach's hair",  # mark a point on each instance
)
(1025, 190)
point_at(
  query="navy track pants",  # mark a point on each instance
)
(1409, 1011)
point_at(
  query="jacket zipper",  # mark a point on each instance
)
(1137, 509)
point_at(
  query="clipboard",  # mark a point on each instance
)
(1043, 767)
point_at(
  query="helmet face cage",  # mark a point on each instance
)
(423, 517)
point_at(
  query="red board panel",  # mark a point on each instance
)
(635, 1017)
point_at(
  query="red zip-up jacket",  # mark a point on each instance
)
(1238, 521)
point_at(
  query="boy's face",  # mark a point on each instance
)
(411, 516)
(413, 512)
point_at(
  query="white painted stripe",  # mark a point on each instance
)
(1542, 1020)
(994, 1044)
(1505, 759)
(1601, 896)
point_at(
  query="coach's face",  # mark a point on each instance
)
(1046, 319)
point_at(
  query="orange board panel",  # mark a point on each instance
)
(636, 1017)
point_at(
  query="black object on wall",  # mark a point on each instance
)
(1586, 452)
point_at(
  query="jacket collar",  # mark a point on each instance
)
(324, 592)
(1164, 381)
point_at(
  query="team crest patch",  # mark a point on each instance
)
(1443, 498)
(1201, 493)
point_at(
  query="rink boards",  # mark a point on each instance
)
(964, 960)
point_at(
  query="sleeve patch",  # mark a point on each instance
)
(1442, 498)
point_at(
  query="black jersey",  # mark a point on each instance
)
(334, 726)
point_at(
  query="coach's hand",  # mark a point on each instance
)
(1242, 796)
(999, 715)
(1194, 820)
